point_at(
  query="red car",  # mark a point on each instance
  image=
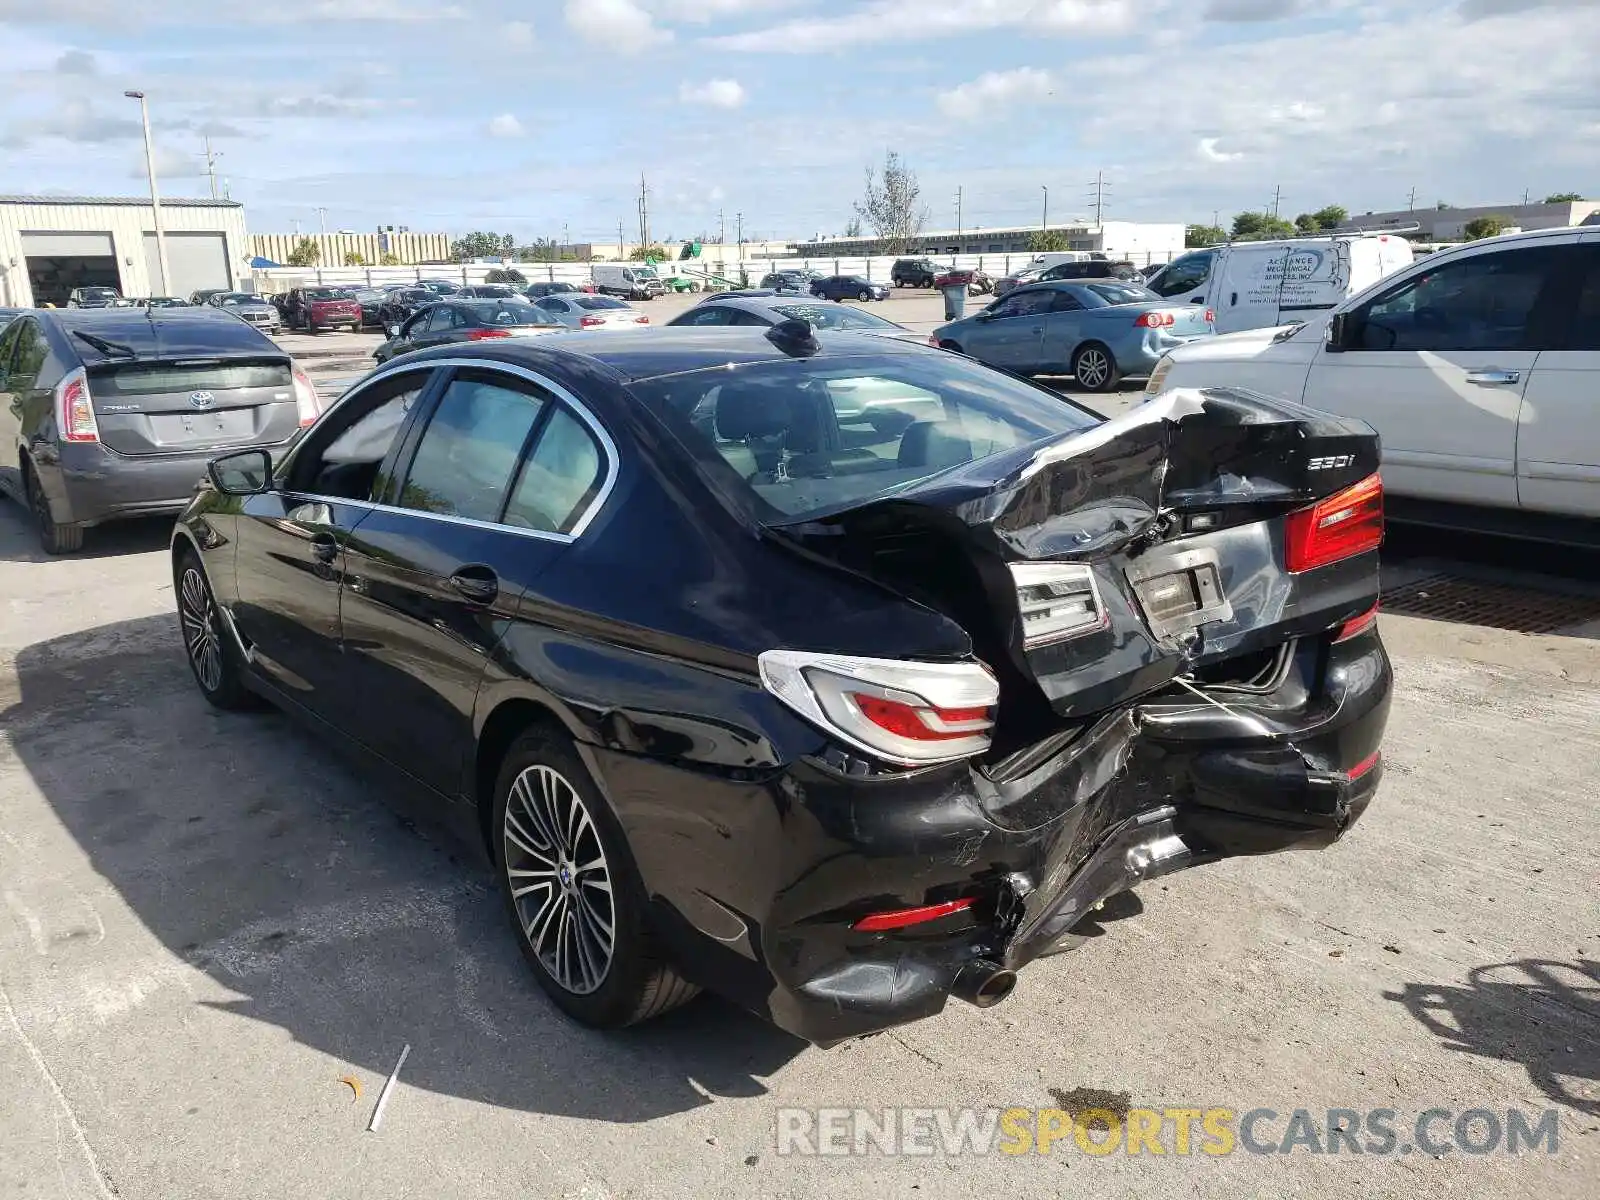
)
(317, 308)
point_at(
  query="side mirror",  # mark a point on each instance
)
(242, 473)
(1338, 332)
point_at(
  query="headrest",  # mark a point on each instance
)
(937, 444)
(746, 411)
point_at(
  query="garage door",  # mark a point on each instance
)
(197, 260)
(59, 262)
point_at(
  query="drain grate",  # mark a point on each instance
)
(1497, 606)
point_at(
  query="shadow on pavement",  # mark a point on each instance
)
(1540, 1013)
(260, 856)
(19, 539)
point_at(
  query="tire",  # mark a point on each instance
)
(311, 328)
(863, 296)
(1095, 368)
(212, 658)
(54, 538)
(571, 885)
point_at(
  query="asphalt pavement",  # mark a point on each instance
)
(216, 937)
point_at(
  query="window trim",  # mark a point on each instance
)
(608, 448)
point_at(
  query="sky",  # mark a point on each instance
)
(537, 118)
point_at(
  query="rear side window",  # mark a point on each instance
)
(559, 478)
(29, 350)
(151, 379)
(464, 463)
(1585, 324)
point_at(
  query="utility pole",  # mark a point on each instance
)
(1277, 195)
(211, 166)
(295, 221)
(1525, 197)
(1099, 186)
(155, 194)
(739, 228)
(722, 228)
(1044, 215)
(621, 252)
(322, 216)
(644, 212)
(1411, 200)
(958, 215)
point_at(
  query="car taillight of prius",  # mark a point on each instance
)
(75, 408)
(1347, 523)
(305, 397)
(641, 320)
(910, 713)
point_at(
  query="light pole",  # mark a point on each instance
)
(155, 194)
(1044, 216)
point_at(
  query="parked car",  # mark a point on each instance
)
(1261, 285)
(161, 302)
(914, 272)
(1009, 283)
(790, 281)
(372, 301)
(94, 297)
(734, 693)
(630, 281)
(466, 320)
(763, 312)
(439, 287)
(1478, 365)
(400, 304)
(848, 287)
(591, 312)
(204, 294)
(489, 291)
(317, 308)
(1095, 268)
(111, 413)
(1101, 331)
(249, 308)
(557, 288)
(982, 283)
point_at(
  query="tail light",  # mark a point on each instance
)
(641, 320)
(479, 335)
(910, 713)
(1154, 320)
(1356, 626)
(75, 408)
(590, 322)
(900, 918)
(305, 398)
(1211, 316)
(1345, 524)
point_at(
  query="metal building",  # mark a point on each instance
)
(52, 244)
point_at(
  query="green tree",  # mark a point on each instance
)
(353, 258)
(1443, 206)
(1563, 198)
(306, 253)
(852, 227)
(544, 250)
(505, 275)
(388, 259)
(1256, 227)
(1204, 235)
(1306, 223)
(1484, 227)
(641, 253)
(477, 245)
(1045, 241)
(1332, 216)
(892, 204)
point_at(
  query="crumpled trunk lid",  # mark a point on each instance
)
(1176, 511)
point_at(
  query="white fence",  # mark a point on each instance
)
(745, 274)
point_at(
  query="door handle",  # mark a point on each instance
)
(323, 548)
(1197, 300)
(476, 583)
(1494, 377)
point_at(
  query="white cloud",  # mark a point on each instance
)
(1208, 151)
(996, 90)
(615, 24)
(171, 163)
(716, 93)
(902, 21)
(517, 34)
(505, 125)
(76, 62)
(716, 195)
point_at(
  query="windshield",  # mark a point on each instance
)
(804, 437)
(241, 298)
(329, 293)
(503, 312)
(834, 316)
(644, 273)
(1123, 293)
(103, 293)
(598, 302)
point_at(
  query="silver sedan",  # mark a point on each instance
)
(583, 311)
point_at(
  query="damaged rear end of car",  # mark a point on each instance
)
(1172, 658)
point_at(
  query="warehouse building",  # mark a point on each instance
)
(383, 248)
(1141, 241)
(52, 244)
(1449, 224)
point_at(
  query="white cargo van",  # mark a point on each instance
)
(1259, 285)
(631, 281)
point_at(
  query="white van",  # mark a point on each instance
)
(1259, 285)
(631, 281)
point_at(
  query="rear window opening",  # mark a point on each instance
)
(153, 379)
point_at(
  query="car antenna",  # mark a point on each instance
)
(795, 337)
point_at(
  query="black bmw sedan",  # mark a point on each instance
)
(836, 674)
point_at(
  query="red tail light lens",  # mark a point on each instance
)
(75, 409)
(1345, 524)
(641, 320)
(590, 322)
(921, 723)
(1155, 320)
(1356, 626)
(479, 335)
(1211, 316)
(899, 918)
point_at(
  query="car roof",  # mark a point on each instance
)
(194, 332)
(668, 350)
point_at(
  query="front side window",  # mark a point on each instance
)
(799, 438)
(1478, 303)
(465, 461)
(1024, 304)
(348, 449)
(443, 319)
(1184, 275)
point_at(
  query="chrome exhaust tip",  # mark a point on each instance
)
(982, 983)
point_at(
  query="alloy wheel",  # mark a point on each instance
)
(198, 616)
(559, 879)
(1093, 368)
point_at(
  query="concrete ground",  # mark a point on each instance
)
(208, 922)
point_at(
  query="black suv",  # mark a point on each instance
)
(109, 413)
(915, 272)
